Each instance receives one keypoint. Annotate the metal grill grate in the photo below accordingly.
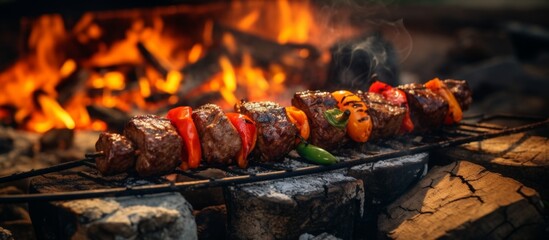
(474, 128)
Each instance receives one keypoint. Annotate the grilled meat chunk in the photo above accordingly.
(314, 104)
(386, 117)
(118, 154)
(158, 143)
(461, 91)
(275, 133)
(427, 109)
(219, 139)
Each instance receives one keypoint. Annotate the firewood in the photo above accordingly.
(464, 201)
(522, 157)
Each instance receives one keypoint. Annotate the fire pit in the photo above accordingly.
(84, 71)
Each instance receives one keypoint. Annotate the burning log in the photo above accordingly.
(115, 118)
(521, 156)
(152, 60)
(266, 51)
(156, 216)
(464, 200)
(72, 84)
(290, 207)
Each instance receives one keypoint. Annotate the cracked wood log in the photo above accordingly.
(154, 216)
(520, 156)
(463, 201)
(287, 208)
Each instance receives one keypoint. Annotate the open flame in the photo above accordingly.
(144, 67)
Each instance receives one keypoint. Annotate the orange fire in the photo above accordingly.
(118, 75)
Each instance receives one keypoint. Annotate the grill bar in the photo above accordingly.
(274, 172)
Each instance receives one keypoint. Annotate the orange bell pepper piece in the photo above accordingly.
(454, 114)
(299, 119)
(360, 124)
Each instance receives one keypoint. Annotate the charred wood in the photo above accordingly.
(152, 60)
(287, 208)
(72, 84)
(56, 139)
(115, 118)
(266, 51)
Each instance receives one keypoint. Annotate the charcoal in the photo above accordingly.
(212, 222)
(287, 208)
(464, 201)
(202, 198)
(386, 180)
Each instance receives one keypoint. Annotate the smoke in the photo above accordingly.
(366, 43)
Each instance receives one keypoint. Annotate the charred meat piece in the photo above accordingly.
(314, 104)
(386, 117)
(275, 133)
(158, 143)
(118, 154)
(427, 109)
(219, 139)
(461, 91)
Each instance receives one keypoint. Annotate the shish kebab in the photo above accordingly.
(316, 123)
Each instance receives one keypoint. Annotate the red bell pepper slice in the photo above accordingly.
(395, 96)
(180, 117)
(454, 114)
(247, 131)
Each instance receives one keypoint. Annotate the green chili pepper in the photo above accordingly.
(337, 118)
(315, 154)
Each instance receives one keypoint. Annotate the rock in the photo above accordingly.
(464, 201)
(211, 222)
(286, 208)
(155, 216)
(5, 234)
(520, 156)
